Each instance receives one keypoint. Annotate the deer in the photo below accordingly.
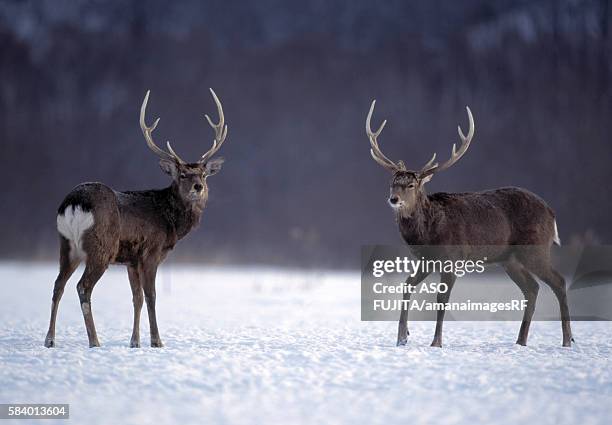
(100, 226)
(509, 226)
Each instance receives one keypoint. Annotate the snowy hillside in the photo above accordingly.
(253, 346)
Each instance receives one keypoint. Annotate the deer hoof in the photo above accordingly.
(522, 343)
(436, 344)
(49, 343)
(157, 344)
(401, 341)
(94, 344)
(134, 344)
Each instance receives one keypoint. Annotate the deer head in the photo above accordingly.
(188, 178)
(407, 185)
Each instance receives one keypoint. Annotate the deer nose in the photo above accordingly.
(393, 200)
(198, 187)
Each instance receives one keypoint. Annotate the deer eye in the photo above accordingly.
(182, 175)
(411, 186)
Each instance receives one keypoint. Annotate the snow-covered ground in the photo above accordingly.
(261, 346)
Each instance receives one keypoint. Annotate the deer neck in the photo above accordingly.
(182, 215)
(414, 225)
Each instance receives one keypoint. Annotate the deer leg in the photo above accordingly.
(557, 283)
(137, 300)
(93, 272)
(67, 268)
(449, 279)
(148, 273)
(529, 287)
(402, 328)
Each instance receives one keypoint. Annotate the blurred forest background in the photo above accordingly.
(296, 80)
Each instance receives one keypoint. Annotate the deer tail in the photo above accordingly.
(556, 238)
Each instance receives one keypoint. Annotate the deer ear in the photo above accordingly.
(168, 167)
(213, 166)
(426, 179)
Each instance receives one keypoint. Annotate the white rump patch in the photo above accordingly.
(71, 225)
(556, 238)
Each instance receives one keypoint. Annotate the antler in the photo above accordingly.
(375, 151)
(220, 130)
(147, 131)
(432, 167)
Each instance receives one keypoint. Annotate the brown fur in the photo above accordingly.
(510, 226)
(136, 229)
